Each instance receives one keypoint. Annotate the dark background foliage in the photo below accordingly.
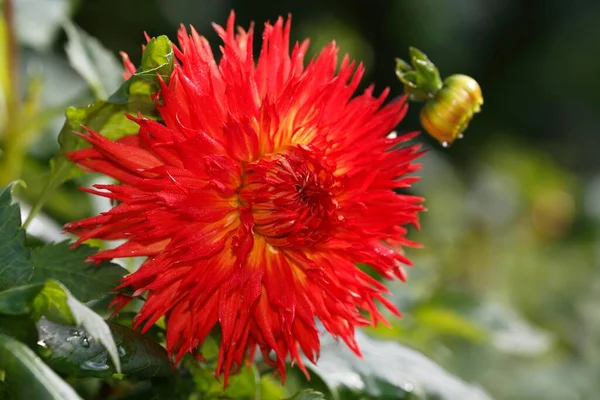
(534, 59)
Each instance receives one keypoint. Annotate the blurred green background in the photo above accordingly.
(506, 292)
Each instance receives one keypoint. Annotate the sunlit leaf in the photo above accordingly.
(511, 333)
(37, 22)
(448, 322)
(27, 376)
(97, 65)
(243, 385)
(95, 326)
(5, 80)
(109, 118)
(157, 59)
(308, 394)
(271, 388)
(388, 371)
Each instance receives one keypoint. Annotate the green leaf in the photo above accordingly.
(108, 118)
(243, 385)
(446, 321)
(6, 82)
(135, 96)
(27, 376)
(51, 302)
(308, 394)
(4, 392)
(271, 388)
(20, 327)
(19, 265)
(94, 325)
(158, 58)
(421, 79)
(97, 65)
(388, 370)
(141, 356)
(85, 281)
(56, 303)
(510, 332)
(19, 300)
(71, 351)
(37, 22)
(177, 387)
(15, 266)
(428, 76)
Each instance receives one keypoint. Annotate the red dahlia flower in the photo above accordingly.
(255, 199)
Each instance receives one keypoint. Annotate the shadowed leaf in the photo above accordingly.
(72, 351)
(84, 280)
(15, 264)
(56, 303)
(27, 377)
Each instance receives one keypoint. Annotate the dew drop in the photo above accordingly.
(43, 349)
(392, 135)
(460, 136)
(445, 144)
(75, 336)
(99, 363)
(85, 342)
(92, 365)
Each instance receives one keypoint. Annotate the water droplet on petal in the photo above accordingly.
(445, 144)
(460, 136)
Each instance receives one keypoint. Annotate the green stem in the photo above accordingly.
(58, 175)
(14, 144)
(12, 57)
(257, 394)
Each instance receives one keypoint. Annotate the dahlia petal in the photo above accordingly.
(130, 69)
(255, 198)
(131, 157)
(135, 249)
(118, 302)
